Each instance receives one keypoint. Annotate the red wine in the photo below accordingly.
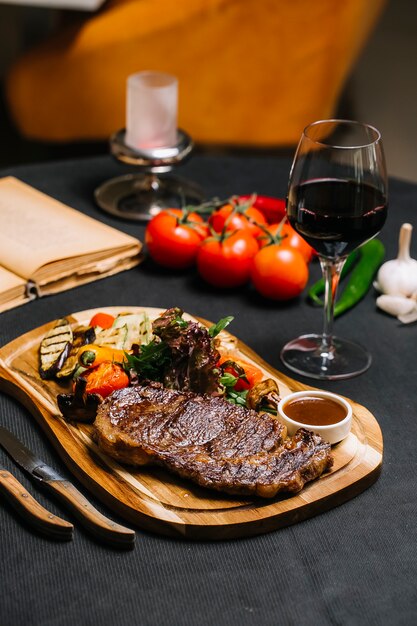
(336, 216)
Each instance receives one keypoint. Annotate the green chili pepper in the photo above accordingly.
(318, 288)
(360, 280)
(370, 256)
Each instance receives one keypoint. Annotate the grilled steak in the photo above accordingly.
(208, 440)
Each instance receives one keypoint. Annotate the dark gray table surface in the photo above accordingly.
(356, 564)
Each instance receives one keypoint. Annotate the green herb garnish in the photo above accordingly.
(214, 330)
(181, 356)
(149, 360)
(236, 397)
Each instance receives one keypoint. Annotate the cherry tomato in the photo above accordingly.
(279, 272)
(173, 238)
(290, 238)
(105, 378)
(239, 217)
(273, 209)
(227, 262)
(252, 373)
(104, 320)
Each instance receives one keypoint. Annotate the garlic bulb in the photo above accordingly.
(396, 305)
(411, 316)
(399, 276)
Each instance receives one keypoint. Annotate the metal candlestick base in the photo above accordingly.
(140, 196)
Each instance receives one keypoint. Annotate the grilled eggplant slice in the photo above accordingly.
(81, 337)
(55, 348)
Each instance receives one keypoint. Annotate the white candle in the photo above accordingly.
(151, 110)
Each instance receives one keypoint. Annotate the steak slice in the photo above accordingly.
(208, 440)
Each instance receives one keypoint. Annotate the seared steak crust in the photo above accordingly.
(208, 440)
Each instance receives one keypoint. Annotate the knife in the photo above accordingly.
(39, 518)
(95, 522)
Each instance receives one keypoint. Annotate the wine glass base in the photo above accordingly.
(305, 356)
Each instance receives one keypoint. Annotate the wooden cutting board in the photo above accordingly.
(157, 501)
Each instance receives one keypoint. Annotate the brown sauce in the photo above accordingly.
(315, 411)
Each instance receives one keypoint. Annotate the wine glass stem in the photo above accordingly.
(331, 269)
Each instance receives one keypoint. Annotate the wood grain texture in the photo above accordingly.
(157, 501)
(32, 512)
(98, 525)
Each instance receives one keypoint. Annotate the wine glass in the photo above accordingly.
(337, 200)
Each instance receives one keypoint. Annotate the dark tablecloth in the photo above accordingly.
(355, 564)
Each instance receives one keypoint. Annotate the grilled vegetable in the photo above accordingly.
(105, 378)
(127, 328)
(112, 337)
(55, 348)
(92, 355)
(79, 406)
(103, 320)
(139, 328)
(246, 375)
(264, 396)
(145, 329)
(81, 337)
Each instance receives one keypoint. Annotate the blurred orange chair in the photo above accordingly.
(251, 72)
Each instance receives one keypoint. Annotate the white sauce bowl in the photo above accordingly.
(333, 433)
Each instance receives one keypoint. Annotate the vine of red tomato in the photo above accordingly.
(173, 237)
(236, 244)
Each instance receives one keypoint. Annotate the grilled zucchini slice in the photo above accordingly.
(139, 328)
(113, 337)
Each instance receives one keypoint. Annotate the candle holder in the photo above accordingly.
(140, 196)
